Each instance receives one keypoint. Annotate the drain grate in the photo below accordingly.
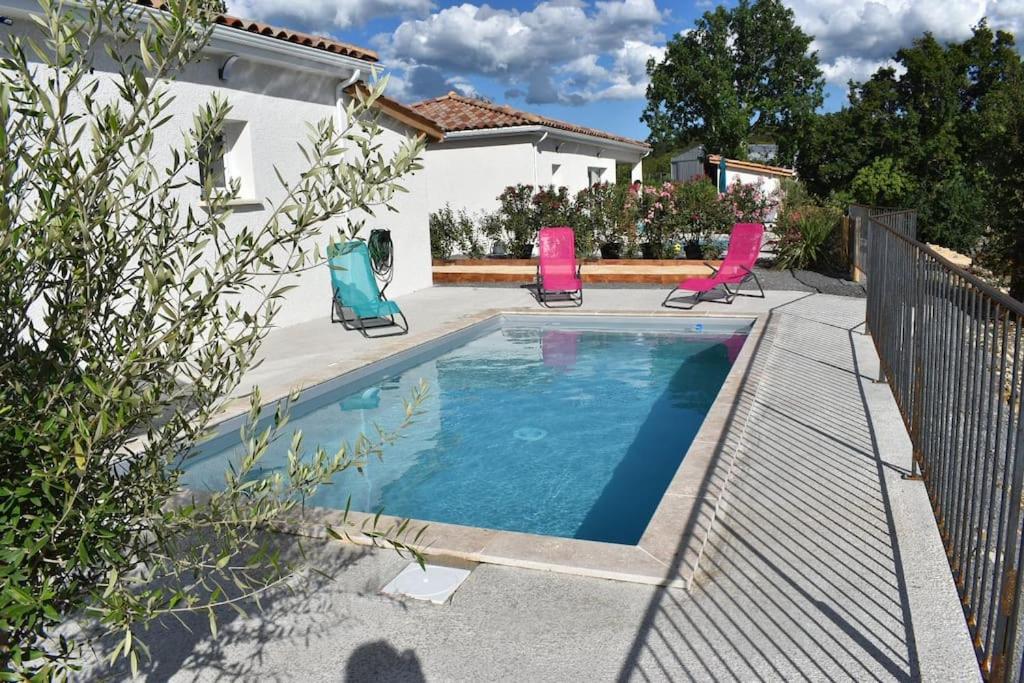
(435, 584)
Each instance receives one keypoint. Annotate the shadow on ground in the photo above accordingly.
(802, 576)
(184, 643)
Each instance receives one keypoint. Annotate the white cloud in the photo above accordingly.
(856, 37)
(322, 17)
(565, 51)
(844, 69)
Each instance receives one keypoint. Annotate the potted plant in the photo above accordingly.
(656, 215)
(750, 203)
(700, 215)
(450, 231)
(553, 207)
(600, 208)
(443, 233)
(513, 227)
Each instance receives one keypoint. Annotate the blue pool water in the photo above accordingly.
(571, 430)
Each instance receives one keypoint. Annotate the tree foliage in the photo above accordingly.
(883, 182)
(939, 133)
(133, 303)
(741, 73)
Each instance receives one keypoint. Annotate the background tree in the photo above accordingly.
(123, 333)
(998, 118)
(740, 73)
(944, 133)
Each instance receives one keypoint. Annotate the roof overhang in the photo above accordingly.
(402, 114)
(752, 167)
(249, 46)
(270, 51)
(638, 149)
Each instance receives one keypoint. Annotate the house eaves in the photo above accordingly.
(556, 133)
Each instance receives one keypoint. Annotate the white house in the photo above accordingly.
(694, 162)
(748, 173)
(277, 81)
(487, 147)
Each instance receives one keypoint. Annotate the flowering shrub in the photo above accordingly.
(514, 227)
(749, 203)
(654, 210)
(524, 211)
(699, 213)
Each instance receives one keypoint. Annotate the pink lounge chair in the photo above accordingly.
(737, 269)
(558, 274)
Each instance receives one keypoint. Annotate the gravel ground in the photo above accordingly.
(809, 281)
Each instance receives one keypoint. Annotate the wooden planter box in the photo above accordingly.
(605, 271)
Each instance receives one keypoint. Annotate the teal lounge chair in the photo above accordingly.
(357, 302)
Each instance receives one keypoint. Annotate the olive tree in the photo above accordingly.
(132, 305)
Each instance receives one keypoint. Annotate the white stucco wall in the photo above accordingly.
(470, 174)
(574, 161)
(276, 103)
(769, 182)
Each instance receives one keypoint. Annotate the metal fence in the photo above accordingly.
(951, 348)
(855, 234)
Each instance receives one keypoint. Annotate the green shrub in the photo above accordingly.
(451, 231)
(514, 226)
(698, 213)
(793, 193)
(600, 211)
(808, 238)
(883, 182)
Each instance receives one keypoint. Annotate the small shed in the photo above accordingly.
(689, 164)
(747, 172)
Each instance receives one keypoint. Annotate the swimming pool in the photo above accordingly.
(566, 426)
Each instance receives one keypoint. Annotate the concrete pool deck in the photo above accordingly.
(823, 563)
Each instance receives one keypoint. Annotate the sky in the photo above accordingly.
(584, 60)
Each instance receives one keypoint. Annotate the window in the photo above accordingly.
(594, 175)
(555, 168)
(228, 159)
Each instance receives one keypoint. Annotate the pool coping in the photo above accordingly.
(672, 545)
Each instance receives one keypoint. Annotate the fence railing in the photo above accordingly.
(952, 349)
(854, 247)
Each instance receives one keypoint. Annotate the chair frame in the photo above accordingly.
(575, 296)
(354, 322)
(730, 294)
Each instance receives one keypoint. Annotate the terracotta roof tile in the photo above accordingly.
(454, 112)
(305, 39)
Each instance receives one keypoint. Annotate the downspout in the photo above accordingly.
(536, 159)
(339, 92)
(646, 154)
